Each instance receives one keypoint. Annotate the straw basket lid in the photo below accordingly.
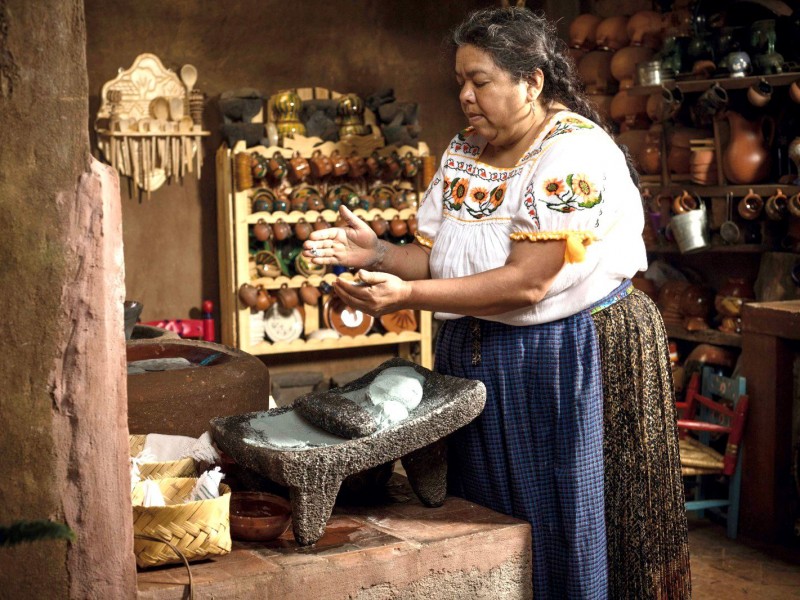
(184, 467)
(198, 529)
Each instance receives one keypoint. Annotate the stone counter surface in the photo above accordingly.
(397, 549)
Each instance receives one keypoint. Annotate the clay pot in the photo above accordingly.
(645, 28)
(793, 152)
(703, 166)
(635, 140)
(746, 158)
(629, 111)
(595, 72)
(412, 225)
(679, 155)
(684, 202)
(341, 166)
(712, 355)
(602, 104)
(646, 286)
(624, 61)
(320, 164)
(664, 105)
(696, 302)
(612, 33)
(263, 300)
(320, 224)
(669, 300)
(583, 31)
(794, 91)
(794, 205)
(730, 297)
(287, 297)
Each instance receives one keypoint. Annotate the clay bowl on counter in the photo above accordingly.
(259, 516)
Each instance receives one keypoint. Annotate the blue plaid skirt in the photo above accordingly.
(536, 451)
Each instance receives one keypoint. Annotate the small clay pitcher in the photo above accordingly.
(374, 164)
(281, 230)
(321, 165)
(248, 295)
(583, 31)
(712, 101)
(391, 167)
(379, 225)
(410, 165)
(309, 294)
(288, 298)
(750, 206)
(776, 205)
(302, 229)
(398, 227)
(794, 205)
(259, 166)
(262, 231)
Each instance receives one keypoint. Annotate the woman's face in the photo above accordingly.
(494, 104)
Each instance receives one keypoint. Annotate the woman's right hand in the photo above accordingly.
(354, 245)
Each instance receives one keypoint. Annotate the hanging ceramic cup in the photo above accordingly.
(281, 230)
(320, 224)
(302, 229)
(262, 231)
(760, 93)
(684, 202)
(287, 297)
(263, 299)
(339, 163)
(248, 295)
(794, 91)
(750, 206)
(794, 205)
(309, 294)
(379, 225)
(398, 227)
(299, 167)
(776, 206)
(358, 166)
(278, 167)
(320, 164)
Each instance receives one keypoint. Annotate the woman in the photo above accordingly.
(527, 237)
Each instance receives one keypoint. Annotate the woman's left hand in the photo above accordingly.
(379, 294)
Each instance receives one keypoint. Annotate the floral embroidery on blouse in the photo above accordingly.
(431, 187)
(461, 145)
(478, 201)
(530, 203)
(575, 192)
(565, 125)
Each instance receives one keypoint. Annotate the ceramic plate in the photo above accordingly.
(345, 320)
(280, 326)
(402, 320)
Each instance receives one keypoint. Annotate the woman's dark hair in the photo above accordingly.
(521, 41)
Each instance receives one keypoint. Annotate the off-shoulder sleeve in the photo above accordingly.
(429, 213)
(566, 195)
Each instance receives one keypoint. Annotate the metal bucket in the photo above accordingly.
(690, 230)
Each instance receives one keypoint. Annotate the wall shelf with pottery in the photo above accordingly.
(149, 124)
(267, 174)
(709, 336)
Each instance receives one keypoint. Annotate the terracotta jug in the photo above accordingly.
(583, 31)
(746, 158)
(624, 61)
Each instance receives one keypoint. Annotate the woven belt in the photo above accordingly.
(623, 290)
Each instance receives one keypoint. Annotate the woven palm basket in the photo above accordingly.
(184, 467)
(198, 529)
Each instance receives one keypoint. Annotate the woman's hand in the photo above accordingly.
(354, 245)
(376, 294)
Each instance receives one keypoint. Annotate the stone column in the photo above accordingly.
(63, 405)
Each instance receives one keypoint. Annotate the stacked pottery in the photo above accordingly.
(703, 162)
(582, 35)
(679, 155)
(728, 303)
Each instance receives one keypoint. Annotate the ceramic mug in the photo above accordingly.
(794, 91)
(340, 165)
(321, 165)
(684, 202)
(281, 230)
(391, 167)
(278, 167)
(309, 294)
(398, 227)
(410, 165)
(299, 167)
(320, 224)
(259, 166)
(374, 164)
(280, 204)
(263, 299)
(776, 205)
(358, 166)
(713, 100)
(287, 297)
(794, 205)
(302, 229)
(750, 206)
(379, 225)
(262, 231)
(248, 295)
(263, 200)
(760, 93)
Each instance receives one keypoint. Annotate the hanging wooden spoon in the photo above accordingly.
(189, 78)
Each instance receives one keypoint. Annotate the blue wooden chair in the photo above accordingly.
(710, 419)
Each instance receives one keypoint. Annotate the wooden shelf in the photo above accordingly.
(152, 134)
(708, 336)
(733, 249)
(329, 215)
(701, 85)
(359, 341)
(762, 189)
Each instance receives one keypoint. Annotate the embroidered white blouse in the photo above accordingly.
(572, 184)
